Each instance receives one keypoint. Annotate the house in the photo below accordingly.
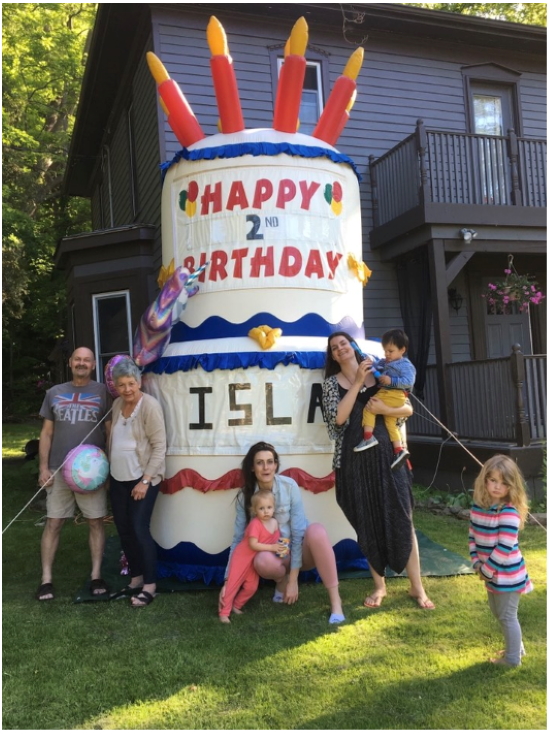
(449, 135)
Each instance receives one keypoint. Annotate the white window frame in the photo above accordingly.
(99, 356)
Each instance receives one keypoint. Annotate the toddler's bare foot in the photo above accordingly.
(224, 619)
(237, 611)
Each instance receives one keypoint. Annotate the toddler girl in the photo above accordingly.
(499, 512)
(261, 534)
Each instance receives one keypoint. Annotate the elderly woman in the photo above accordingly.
(376, 500)
(137, 448)
(309, 543)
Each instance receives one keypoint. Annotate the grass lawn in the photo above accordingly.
(174, 666)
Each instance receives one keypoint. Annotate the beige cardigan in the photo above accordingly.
(150, 434)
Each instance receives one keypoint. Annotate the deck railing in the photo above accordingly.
(441, 167)
(494, 400)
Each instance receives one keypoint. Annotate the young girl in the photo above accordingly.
(498, 514)
(262, 534)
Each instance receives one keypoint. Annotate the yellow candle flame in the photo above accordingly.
(217, 40)
(355, 61)
(299, 37)
(287, 48)
(156, 67)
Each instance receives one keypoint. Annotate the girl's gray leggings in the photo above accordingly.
(505, 608)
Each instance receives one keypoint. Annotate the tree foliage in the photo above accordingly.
(528, 13)
(43, 64)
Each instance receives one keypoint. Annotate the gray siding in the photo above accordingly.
(147, 147)
(120, 173)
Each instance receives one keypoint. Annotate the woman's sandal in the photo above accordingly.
(145, 597)
(374, 600)
(424, 602)
(98, 587)
(126, 591)
(45, 592)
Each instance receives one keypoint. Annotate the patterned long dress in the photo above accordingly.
(377, 502)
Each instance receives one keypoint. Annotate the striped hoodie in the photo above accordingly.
(493, 541)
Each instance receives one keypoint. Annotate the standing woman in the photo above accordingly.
(310, 545)
(137, 449)
(377, 501)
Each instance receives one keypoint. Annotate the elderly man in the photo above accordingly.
(70, 412)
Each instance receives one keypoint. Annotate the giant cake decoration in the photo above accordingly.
(268, 222)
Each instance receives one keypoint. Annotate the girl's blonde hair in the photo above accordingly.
(511, 476)
(257, 497)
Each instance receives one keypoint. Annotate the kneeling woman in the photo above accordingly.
(137, 449)
(309, 543)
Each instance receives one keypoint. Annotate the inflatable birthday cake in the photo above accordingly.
(267, 222)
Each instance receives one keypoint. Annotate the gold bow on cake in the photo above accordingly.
(361, 270)
(265, 335)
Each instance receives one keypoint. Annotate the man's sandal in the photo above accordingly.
(145, 597)
(45, 592)
(98, 587)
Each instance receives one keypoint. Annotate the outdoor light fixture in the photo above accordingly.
(468, 234)
(455, 299)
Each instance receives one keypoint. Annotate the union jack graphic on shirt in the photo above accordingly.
(77, 406)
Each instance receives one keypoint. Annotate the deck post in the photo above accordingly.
(517, 364)
(374, 192)
(513, 152)
(443, 353)
(422, 147)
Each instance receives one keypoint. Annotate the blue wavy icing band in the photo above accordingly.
(236, 150)
(216, 327)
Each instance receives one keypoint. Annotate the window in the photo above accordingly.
(112, 334)
(312, 102)
(491, 95)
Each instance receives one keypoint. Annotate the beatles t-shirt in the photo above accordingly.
(75, 411)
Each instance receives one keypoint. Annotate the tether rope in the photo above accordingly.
(55, 472)
(459, 442)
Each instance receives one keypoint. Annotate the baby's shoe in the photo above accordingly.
(366, 443)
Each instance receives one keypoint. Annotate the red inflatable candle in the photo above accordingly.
(330, 123)
(291, 80)
(180, 115)
(223, 76)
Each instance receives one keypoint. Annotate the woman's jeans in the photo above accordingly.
(132, 519)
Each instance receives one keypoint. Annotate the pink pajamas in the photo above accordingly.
(243, 579)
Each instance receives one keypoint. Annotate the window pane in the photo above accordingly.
(112, 321)
(310, 79)
(488, 115)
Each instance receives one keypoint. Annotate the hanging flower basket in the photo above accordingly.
(514, 288)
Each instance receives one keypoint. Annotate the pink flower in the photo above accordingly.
(492, 287)
(508, 272)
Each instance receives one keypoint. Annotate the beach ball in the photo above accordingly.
(108, 372)
(86, 468)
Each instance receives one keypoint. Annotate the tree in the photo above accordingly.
(528, 13)
(43, 65)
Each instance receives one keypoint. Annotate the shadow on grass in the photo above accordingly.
(467, 699)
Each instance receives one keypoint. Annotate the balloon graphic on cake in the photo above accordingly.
(85, 468)
(273, 218)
